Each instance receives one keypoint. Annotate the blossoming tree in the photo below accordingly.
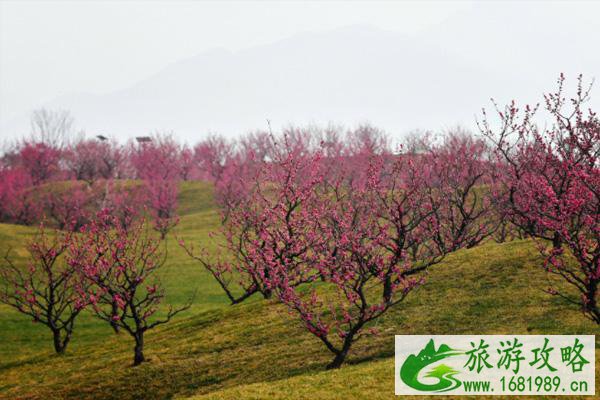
(369, 226)
(267, 221)
(551, 182)
(120, 262)
(48, 289)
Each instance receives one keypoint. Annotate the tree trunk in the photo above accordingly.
(115, 311)
(138, 355)
(337, 361)
(340, 357)
(556, 241)
(59, 345)
(592, 306)
(387, 289)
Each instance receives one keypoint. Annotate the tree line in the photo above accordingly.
(338, 226)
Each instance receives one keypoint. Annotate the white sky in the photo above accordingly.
(51, 48)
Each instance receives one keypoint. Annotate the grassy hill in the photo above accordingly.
(256, 349)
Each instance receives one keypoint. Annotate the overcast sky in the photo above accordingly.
(50, 49)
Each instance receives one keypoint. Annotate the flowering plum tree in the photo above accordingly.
(506, 230)
(48, 289)
(120, 263)
(158, 164)
(232, 168)
(266, 222)
(463, 176)
(157, 158)
(40, 161)
(71, 204)
(362, 144)
(17, 203)
(259, 145)
(162, 200)
(211, 156)
(187, 164)
(90, 160)
(124, 201)
(235, 183)
(369, 225)
(367, 139)
(551, 181)
(335, 247)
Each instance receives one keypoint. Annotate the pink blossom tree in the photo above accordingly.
(187, 164)
(40, 161)
(550, 179)
(235, 183)
(370, 225)
(70, 206)
(334, 149)
(17, 201)
(48, 289)
(158, 158)
(120, 263)
(125, 202)
(232, 169)
(259, 145)
(91, 160)
(463, 174)
(161, 195)
(211, 155)
(158, 163)
(335, 248)
(362, 143)
(367, 139)
(267, 213)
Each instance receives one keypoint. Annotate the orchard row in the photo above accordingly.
(338, 227)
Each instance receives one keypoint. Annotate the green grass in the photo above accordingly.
(257, 350)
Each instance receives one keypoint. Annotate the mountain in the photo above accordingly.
(433, 80)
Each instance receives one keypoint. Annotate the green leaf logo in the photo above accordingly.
(409, 372)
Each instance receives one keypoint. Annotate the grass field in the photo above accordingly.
(257, 350)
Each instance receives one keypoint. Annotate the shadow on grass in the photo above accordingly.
(28, 361)
(260, 342)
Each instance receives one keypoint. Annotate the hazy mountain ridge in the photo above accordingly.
(432, 80)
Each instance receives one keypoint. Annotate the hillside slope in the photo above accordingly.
(257, 350)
